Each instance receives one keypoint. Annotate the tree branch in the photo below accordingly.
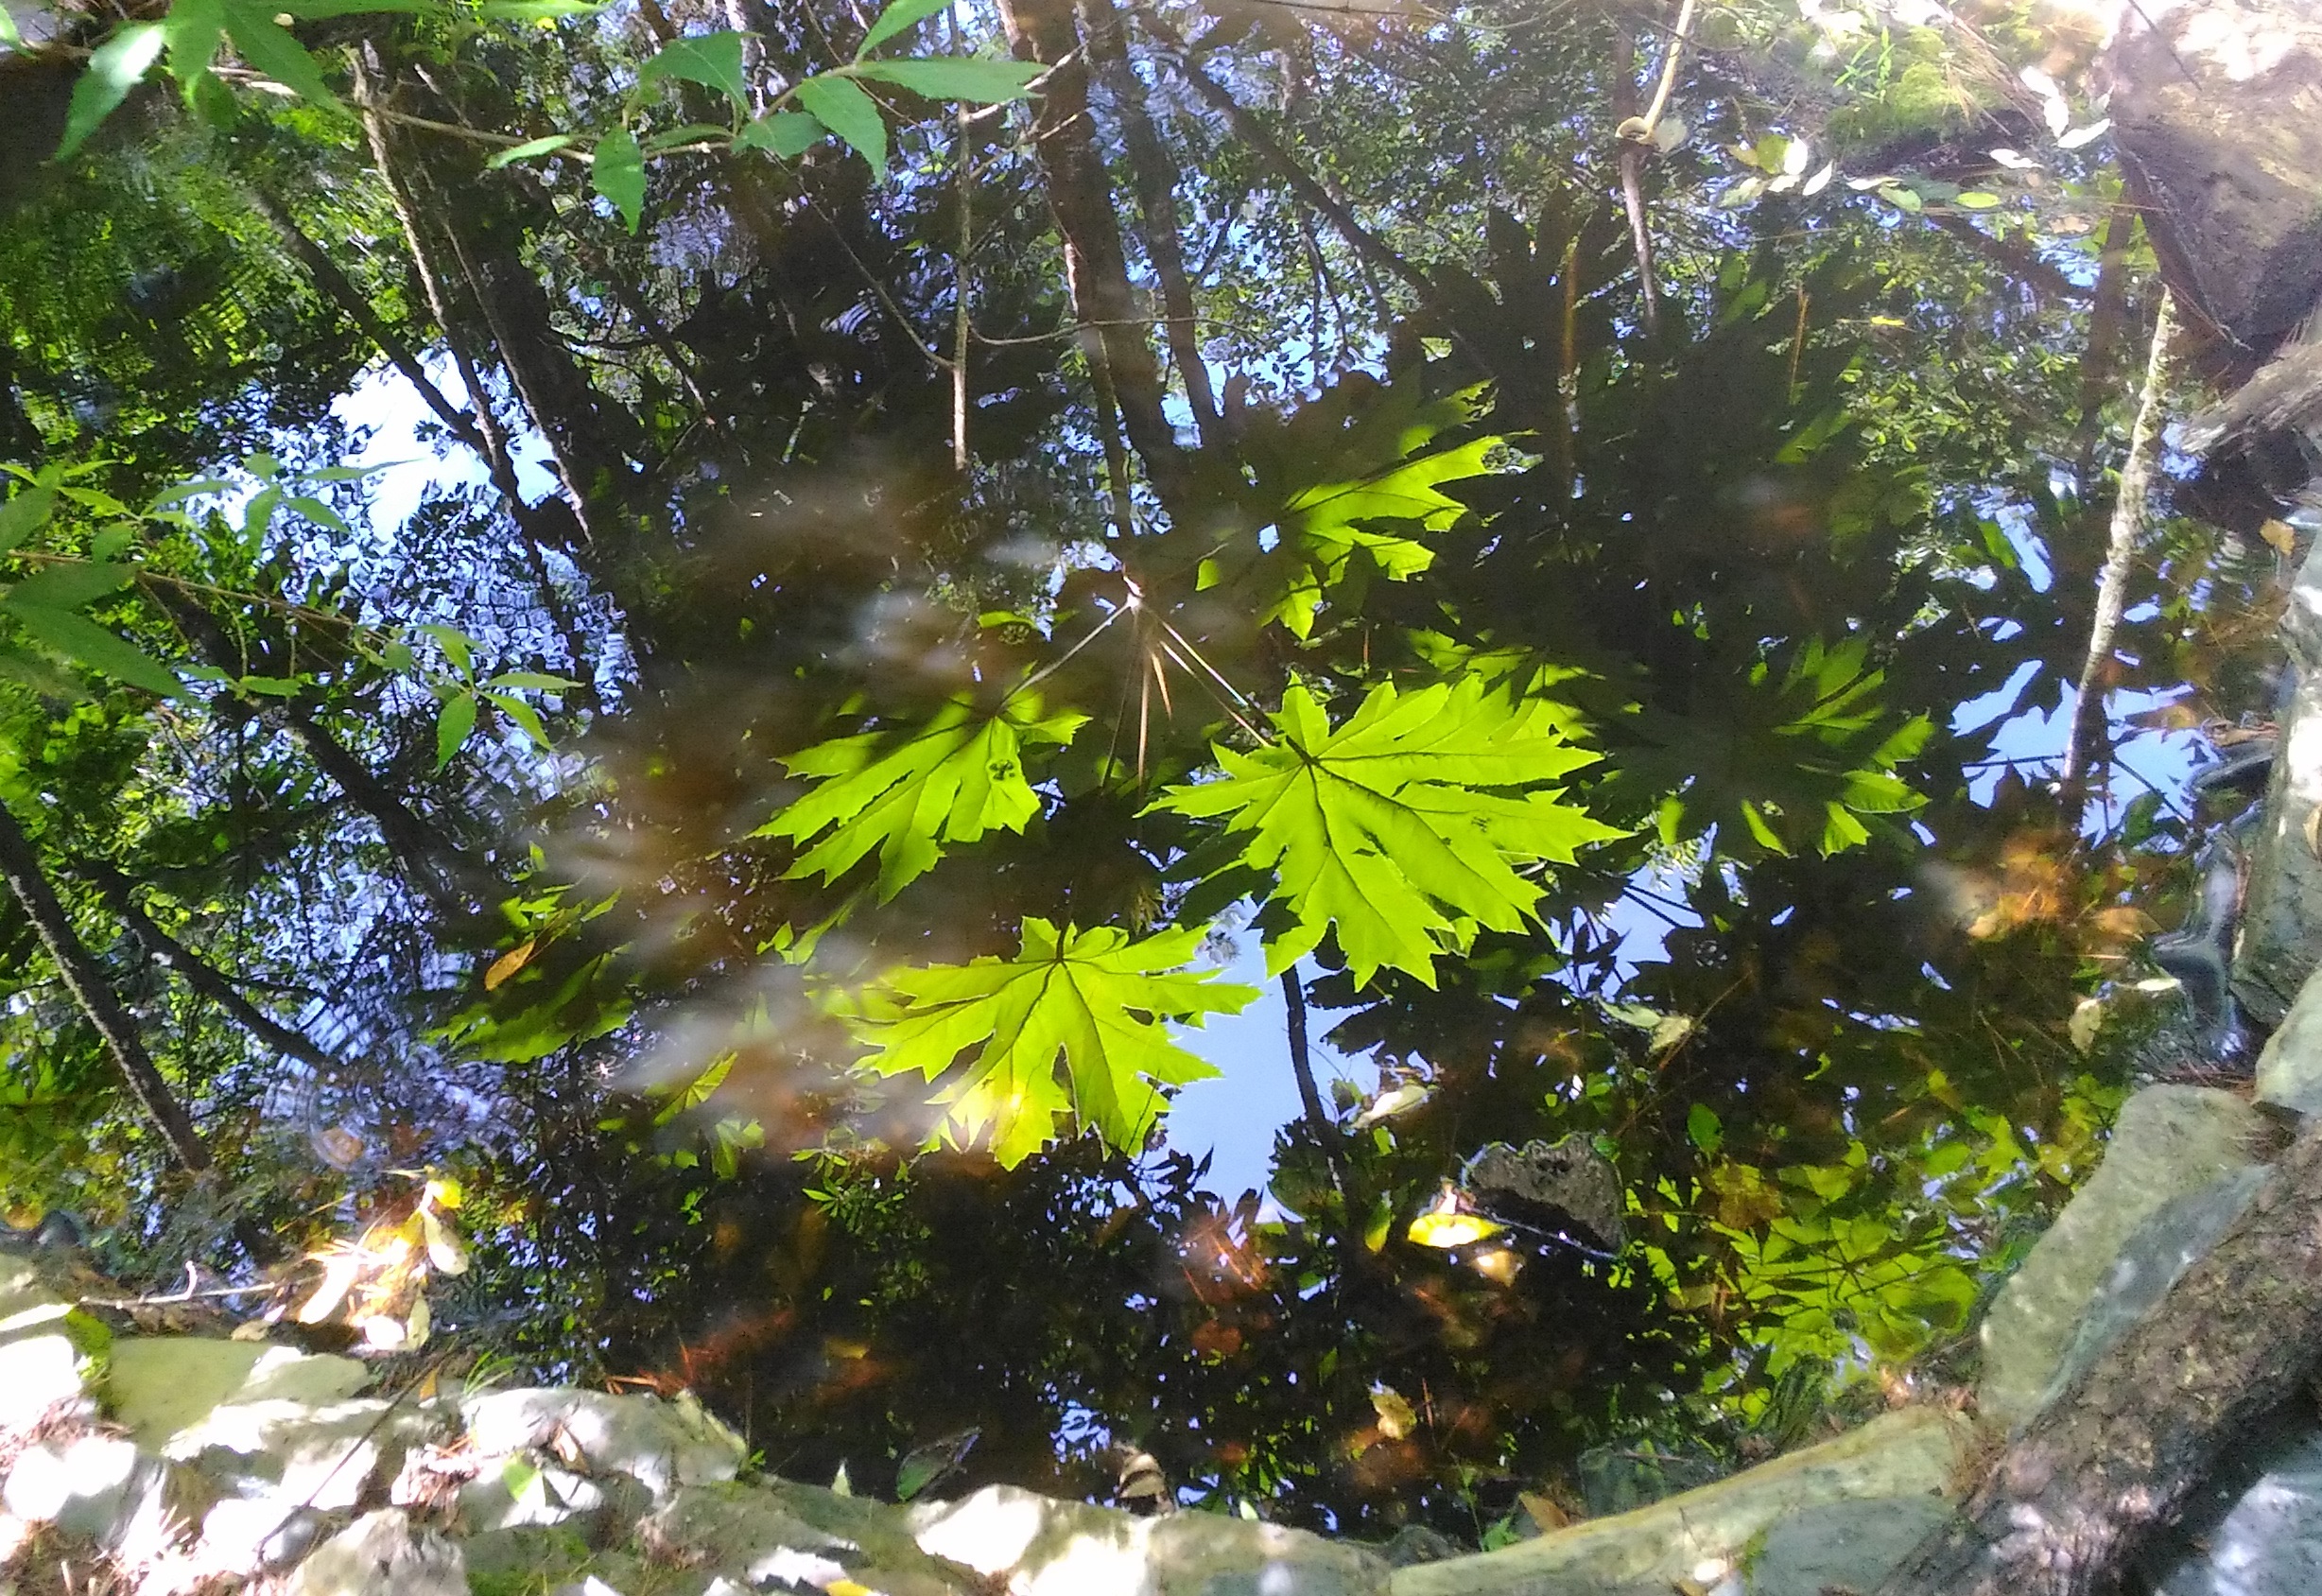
(20, 865)
(198, 972)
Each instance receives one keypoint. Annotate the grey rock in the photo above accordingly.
(40, 1362)
(327, 1454)
(2281, 911)
(550, 1496)
(789, 1536)
(2171, 1240)
(1569, 1176)
(267, 1533)
(2168, 1142)
(2290, 1066)
(1705, 1536)
(382, 1554)
(2255, 1528)
(524, 1560)
(665, 1444)
(98, 1489)
(160, 1385)
(1853, 1544)
(1048, 1548)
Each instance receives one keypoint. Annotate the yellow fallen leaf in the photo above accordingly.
(2314, 832)
(1397, 1419)
(2088, 1019)
(339, 1272)
(1501, 1264)
(509, 964)
(1542, 1511)
(2282, 535)
(445, 1255)
(1448, 1230)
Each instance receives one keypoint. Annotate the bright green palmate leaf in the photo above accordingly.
(949, 781)
(1405, 828)
(1094, 999)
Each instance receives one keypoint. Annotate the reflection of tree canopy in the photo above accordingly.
(836, 690)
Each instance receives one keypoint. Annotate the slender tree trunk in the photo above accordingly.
(198, 972)
(2088, 735)
(2108, 318)
(1632, 177)
(2115, 1457)
(1318, 1117)
(1156, 193)
(1096, 267)
(358, 310)
(1280, 161)
(20, 865)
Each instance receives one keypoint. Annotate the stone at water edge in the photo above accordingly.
(664, 1445)
(2255, 1527)
(39, 1363)
(2281, 911)
(1703, 1536)
(2171, 1240)
(382, 1554)
(1051, 1548)
(2289, 1067)
(2168, 1142)
(160, 1385)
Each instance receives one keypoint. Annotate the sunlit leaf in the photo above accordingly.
(528, 149)
(86, 643)
(114, 68)
(1403, 830)
(193, 29)
(26, 515)
(785, 133)
(895, 19)
(712, 60)
(70, 584)
(958, 78)
(618, 174)
(1093, 1001)
(507, 965)
(453, 723)
(1397, 1418)
(950, 780)
(265, 45)
(1445, 1231)
(841, 106)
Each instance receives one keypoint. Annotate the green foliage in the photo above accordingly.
(1403, 830)
(1096, 1000)
(949, 780)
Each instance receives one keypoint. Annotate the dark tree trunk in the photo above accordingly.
(2114, 1459)
(1081, 193)
(1156, 197)
(20, 865)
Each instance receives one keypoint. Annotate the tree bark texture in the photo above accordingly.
(2081, 752)
(1079, 192)
(1156, 197)
(2115, 1457)
(20, 865)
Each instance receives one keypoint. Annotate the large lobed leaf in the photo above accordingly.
(949, 781)
(1402, 830)
(1094, 999)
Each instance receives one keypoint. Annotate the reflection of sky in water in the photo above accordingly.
(1235, 1115)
